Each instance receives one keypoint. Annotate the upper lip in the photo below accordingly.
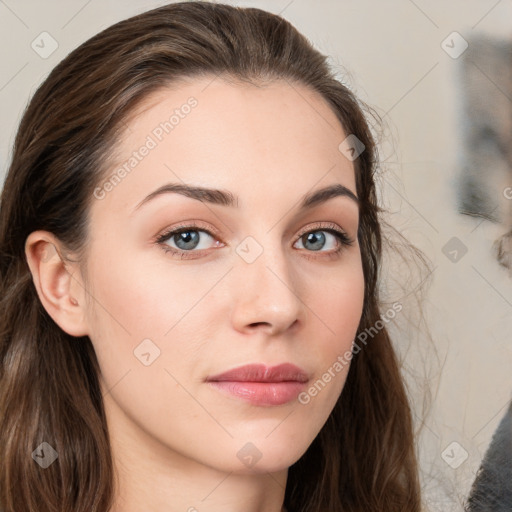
(262, 373)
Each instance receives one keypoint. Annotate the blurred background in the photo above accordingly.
(439, 74)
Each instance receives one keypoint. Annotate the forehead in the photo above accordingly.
(234, 101)
(211, 131)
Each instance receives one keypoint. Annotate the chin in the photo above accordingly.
(267, 455)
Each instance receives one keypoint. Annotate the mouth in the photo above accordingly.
(260, 384)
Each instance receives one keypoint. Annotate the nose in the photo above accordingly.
(265, 294)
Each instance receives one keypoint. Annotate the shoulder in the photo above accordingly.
(492, 488)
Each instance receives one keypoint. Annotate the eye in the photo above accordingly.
(315, 240)
(186, 239)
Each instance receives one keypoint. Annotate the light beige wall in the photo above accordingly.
(392, 51)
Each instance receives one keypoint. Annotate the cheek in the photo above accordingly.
(336, 300)
(335, 304)
(136, 300)
(145, 331)
(140, 299)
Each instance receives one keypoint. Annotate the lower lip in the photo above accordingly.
(261, 393)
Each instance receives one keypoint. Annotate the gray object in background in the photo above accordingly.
(485, 86)
(485, 190)
(492, 488)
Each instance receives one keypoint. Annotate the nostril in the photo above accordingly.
(255, 324)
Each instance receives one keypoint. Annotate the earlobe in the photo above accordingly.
(57, 282)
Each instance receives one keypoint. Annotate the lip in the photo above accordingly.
(261, 384)
(262, 373)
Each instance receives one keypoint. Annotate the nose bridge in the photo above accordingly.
(266, 285)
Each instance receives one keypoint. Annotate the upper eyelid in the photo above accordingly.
(190, 226)
(325, 226)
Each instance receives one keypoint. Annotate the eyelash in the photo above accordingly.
(342, 237)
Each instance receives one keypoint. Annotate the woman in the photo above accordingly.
(190, 249)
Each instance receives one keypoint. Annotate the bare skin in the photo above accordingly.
(176, 440)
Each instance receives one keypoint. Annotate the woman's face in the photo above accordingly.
(255, 277)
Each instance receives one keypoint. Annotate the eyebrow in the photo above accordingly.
(226, 198)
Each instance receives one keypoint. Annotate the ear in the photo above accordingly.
(58, 282)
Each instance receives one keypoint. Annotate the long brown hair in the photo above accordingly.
(364, 457)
